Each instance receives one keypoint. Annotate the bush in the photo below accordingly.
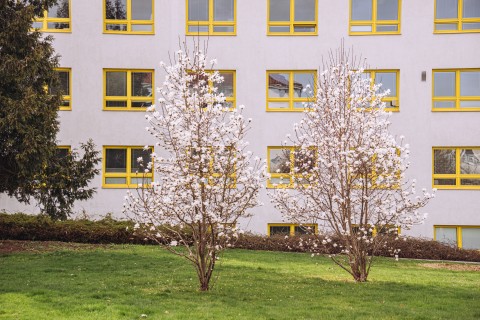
(412, 248)
(21, 226)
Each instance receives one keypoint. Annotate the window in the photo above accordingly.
(291, 229)
(62, 152)
(390, 81)
(215, 166)
(452, 16)
(121, 168)
(56, 19)
(456, 168)
(374, 17)
(227, 87)
(128, 16)
(128, 90)
(292, 17)
(211, 17)
(64, 87)
(466, 237)
(290, 90)
(288, 165)
(456, 90)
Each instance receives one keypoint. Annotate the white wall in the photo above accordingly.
(87, 51)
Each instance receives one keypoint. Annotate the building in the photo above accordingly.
(426, 52)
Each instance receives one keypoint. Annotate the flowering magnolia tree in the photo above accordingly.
(348, 171)
(207, 180)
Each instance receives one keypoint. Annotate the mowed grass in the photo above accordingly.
(126, 282)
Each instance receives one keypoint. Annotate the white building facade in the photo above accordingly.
(426, 52)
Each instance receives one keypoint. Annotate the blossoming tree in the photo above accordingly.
(348, 170)
(205, 179)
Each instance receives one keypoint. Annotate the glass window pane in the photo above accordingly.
(142, 27)
(444, 84)
(59, 10)
(142, 180)
(361, 28)
(141, 104)
(299, 230)
(116, 9)
(278, 105)
(226, 87)
(470, 83)
(116, 27)
(446, 235)
(279, 161)
(304, 28)
(444, 182)
(145, 159)
(470, 161)
(223, 10)
(37, 25)
(446, 9)
(446, 26)
(471, 238)
(303, 84)
(444, 104)
(471, 26)
(58, 25)
(282, 180)
(278, 85)
(116, 104)
(115, 180)
(470, 104)
(388, 81)
(304, 160)
(141, 84)
(198, 10)
(361, 10)
(197, 28)
(302, 105)
(142, 9)
(471, 8)
(444, 161)
(279, 230)
(61, 153)
(470, 182)
(116, 160)
(279, 10)
(279, 29)
(223, 29)
(387, 27)
(116, 83)
(304, 10)
(387, 9)
(63, 86)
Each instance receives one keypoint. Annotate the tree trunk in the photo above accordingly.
(360, 268)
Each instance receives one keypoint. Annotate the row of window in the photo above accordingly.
(452, 167)
(284, 17)
(466, 237)
(287, 90)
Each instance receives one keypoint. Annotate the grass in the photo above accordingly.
(126, 282)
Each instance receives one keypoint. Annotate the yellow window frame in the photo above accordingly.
(129, 21)
(292, 23)
(457, 175)
(459, 229)
(291, 96)
(457, 98)
(211, 172)
(66, 97)
(285, 176)
(374, 22)
(390, 100)
(128, 175)
(128, 98)
(458, 21)
(292, 227)
(45, 20)
(211, 23)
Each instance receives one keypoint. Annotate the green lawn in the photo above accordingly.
(125, 282)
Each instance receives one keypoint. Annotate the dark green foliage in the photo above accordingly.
(28, 117)
(28, 124)
(65, 180)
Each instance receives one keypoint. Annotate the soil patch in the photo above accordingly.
(13, 246)
(453, 267)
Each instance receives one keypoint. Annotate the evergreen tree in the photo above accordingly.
(28, 112)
